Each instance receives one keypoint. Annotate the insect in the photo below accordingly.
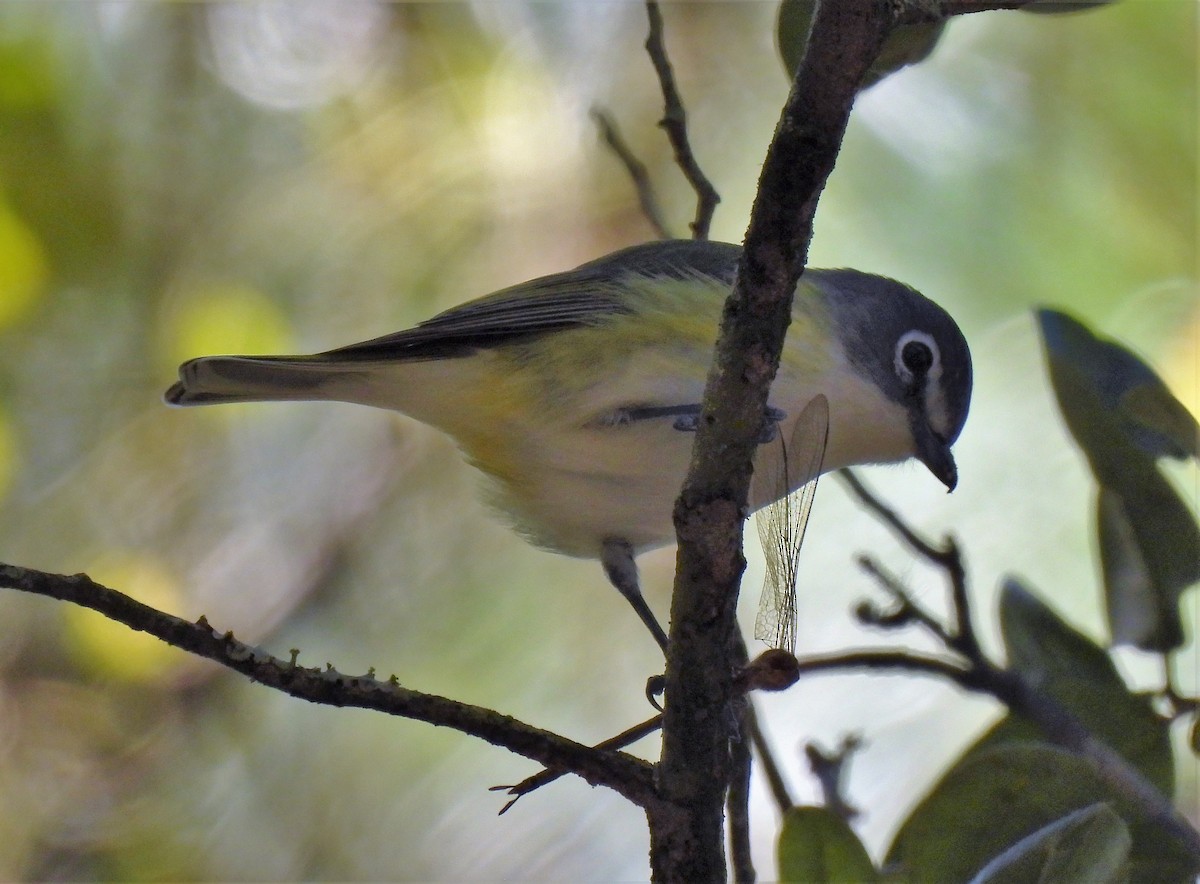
(781, 525)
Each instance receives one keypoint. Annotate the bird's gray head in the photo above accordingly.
(912, 350)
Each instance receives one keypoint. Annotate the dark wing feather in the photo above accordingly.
(563, 300)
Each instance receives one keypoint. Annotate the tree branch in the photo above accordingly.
(686, 839)
(629, 776)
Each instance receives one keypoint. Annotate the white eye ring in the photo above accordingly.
(918, 337)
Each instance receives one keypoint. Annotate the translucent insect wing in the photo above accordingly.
(781, 525)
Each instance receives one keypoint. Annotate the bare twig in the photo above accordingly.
(647, 199)
(770, 769)
(830, 769)
(629, 776)
(909, 611)
(978, 673)
(948, 557)
(546, 777)
(674, 123)
(892, 519)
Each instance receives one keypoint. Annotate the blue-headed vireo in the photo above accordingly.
(573, 392)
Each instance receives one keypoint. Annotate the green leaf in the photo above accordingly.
(987, 802)
(1112, 398)
(905, 45)
(1149, 554)
(1079, 675)
(1126, 722)
(816, 845)
(1154, 408)
(1123, 417)
(791, 32)
(1053, 7)
(1090, 844)
(1043, 647)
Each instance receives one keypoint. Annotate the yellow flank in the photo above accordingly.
(543, 416)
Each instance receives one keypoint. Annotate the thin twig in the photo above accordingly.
(629, 776)
(892, 519)
(674, 123)
(737, 798)
(830, 770)
(903, 661)
(1012, 688)
(737, 802)
(647, 198)
(910, 611)
(770, 769)
(948, 557)
(549, 775)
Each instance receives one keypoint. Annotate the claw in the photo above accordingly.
(656, 686)
(772, 418)
(687, 423)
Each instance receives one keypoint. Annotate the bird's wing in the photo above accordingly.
(563, 300)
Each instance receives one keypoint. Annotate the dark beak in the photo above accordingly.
(934, 452)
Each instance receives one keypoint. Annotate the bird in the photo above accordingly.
(577, 394)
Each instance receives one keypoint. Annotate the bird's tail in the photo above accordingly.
(218, 379)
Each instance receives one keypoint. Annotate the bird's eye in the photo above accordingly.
(916, 356)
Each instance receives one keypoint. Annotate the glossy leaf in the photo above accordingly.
(1043, 647)
(988, 802)
(1149, 540)
(1079, 675)
(1124, 721)
(816, 845)
(1149, 553)
(907, 44)
(1090, 844)
(1115, 393)
(1050, 7)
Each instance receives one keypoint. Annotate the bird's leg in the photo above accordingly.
(688, 421)
(617, 558)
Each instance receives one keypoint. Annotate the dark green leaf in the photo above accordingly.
(1122, 416)
(1090, 844)
(1043, 647)
(1154, 409)
(1124, 721)
(816, 845)
(987, 802)
(1110, 397)
(1149, 553)
(907, 44)
(791, 32)
(1052, 7)
(1079, 675)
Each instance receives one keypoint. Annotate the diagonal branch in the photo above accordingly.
(647, 199)
(626, 775)
(686, 840)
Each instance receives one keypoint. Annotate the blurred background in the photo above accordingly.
(179, 179)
